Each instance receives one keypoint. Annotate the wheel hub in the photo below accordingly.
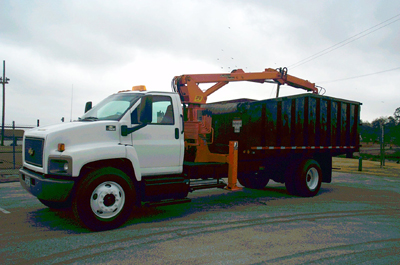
(312, 178)
(107, 199)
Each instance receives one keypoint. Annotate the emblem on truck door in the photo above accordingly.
(111, 128)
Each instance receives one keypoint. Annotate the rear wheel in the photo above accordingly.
(304, 178)
(253, 180)
(104, 199)
(308, 178)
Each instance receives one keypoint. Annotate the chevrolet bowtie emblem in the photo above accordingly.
(31, 152)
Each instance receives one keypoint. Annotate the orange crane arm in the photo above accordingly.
(187, 85)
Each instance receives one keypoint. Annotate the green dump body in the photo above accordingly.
(305, 120)
(286, 127)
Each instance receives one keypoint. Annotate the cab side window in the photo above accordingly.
(162, 112)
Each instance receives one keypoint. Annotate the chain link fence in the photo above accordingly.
(11, 149)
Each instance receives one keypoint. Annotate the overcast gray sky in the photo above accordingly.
(63, 52)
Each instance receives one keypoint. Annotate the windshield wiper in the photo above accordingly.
(89, 119)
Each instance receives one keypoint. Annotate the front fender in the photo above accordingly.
(95, 152)
(132, 156)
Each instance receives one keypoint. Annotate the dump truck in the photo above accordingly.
(145, 148)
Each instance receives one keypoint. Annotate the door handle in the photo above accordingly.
(183, 124)
(176, 133)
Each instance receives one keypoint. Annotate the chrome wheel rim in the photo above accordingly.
(312, 178)
(107, 199)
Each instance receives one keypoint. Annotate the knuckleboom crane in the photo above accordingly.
(198, 124)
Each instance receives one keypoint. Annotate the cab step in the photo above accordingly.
(167, 202)
(207, 184)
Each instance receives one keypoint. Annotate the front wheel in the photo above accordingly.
(105, 199)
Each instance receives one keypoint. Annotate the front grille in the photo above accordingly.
(34, 151)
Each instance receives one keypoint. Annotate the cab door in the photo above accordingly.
(160, 143)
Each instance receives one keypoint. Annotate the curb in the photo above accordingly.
(9, 178)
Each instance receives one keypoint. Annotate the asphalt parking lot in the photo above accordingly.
(353, 220)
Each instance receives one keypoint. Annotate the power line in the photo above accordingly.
(346, 41)
(359, 76)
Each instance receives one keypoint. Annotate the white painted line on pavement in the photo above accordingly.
(4, 211)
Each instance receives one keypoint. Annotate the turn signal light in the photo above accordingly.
(61, 147)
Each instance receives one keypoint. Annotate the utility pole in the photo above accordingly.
(382, 144)
(4, 80)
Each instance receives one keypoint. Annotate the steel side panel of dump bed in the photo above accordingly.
(295, 123)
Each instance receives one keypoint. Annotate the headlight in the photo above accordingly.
(60, 166)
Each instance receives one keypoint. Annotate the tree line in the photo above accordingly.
(372, 131)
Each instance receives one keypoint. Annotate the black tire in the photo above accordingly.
(290, 179)
(104, 199)
(56, 205)
(253, 181)
(308, 178)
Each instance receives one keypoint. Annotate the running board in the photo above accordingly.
(167, 202)
(206, 184)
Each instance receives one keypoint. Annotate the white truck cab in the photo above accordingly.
(101, 157)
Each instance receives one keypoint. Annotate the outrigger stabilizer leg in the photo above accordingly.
(233, 166)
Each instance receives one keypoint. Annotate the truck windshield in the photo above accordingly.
(111, 108)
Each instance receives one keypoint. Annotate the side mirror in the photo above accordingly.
(88, 106)
(146, 111)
